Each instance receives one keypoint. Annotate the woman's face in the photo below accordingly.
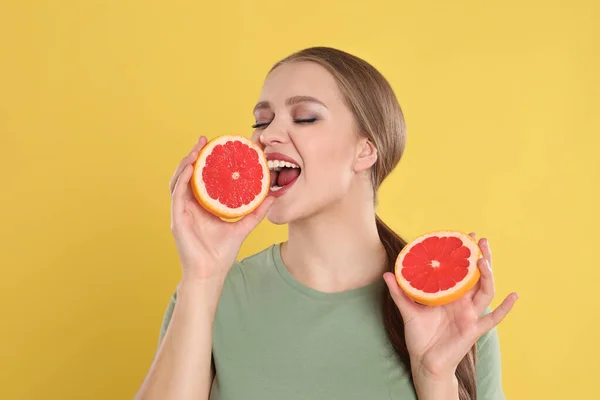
(310, 138)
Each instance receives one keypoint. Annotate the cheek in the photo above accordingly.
(330, 166)
(327, 153)
(339, 153)
(327, 144)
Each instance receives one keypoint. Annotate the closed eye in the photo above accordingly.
(259, 125)
(305, 121)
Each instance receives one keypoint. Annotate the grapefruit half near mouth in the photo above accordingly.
(231, 177)
(439, 267)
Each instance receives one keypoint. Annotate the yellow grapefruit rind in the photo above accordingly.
(208, 203)
(454, 293)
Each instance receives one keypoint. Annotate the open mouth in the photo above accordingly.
(283, 172)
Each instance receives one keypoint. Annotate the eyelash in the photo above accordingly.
(298, 121)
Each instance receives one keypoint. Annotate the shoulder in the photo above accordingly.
(249, 269)
(253, 266)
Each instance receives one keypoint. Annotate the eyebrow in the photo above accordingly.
(289, 102)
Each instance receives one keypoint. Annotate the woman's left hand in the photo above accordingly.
(439, 337)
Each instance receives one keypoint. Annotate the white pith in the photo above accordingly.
(278, 165)
(473, 258)
(201, 163)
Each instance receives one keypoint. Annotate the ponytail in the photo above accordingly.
(392, 320)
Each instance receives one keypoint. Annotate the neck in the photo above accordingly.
(337, 250)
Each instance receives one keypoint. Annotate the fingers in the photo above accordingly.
(181, 185)
(492, 319)
(484, 296)
(485, 292)
(189, 159)
(251, 221)
(408, 308)
(484, 245)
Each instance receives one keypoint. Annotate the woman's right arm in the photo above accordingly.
(182, 365)
(207, 248)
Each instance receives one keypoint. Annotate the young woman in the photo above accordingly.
(321, 315)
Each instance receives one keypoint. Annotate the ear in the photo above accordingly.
(366, 155)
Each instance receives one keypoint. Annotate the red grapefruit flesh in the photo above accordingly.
(231, 177)
(439, 267)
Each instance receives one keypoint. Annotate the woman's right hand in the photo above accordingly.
(207, 246)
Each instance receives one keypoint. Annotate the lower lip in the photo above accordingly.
(283, 190)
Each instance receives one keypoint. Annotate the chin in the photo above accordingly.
(284, 212)
(278, 215)
(281, 213)
(287, 210)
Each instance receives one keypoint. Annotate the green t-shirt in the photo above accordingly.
(275, 338)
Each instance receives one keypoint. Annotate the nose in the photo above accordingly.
(272, 135)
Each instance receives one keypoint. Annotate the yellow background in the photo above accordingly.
(99, 100)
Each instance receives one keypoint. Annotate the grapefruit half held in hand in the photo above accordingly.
(231, 177)
(438, 267)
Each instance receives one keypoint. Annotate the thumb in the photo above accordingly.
(407, 307)
(251, 221)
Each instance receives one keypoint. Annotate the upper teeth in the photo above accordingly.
(277, 164)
